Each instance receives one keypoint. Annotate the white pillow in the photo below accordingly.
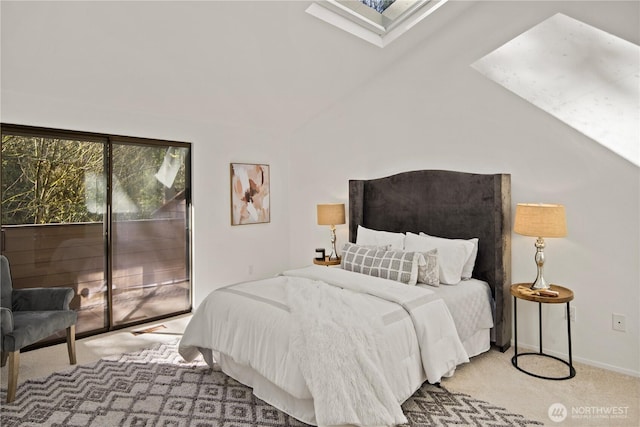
(428, 272)
(467, 270)
(452, 254)
(369, 237)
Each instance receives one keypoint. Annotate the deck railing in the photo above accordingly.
(150, 271)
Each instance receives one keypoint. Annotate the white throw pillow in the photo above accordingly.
(467, 270)
(452, 254)
(369, 237)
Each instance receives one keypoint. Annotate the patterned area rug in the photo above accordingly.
(155, 387)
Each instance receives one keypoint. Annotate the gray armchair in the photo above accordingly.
(28, 316)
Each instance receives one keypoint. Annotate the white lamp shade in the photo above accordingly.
(540, 220)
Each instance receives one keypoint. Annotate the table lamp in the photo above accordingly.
(331, 214)
(540, 220)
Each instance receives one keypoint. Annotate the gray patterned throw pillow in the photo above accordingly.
(393, 265)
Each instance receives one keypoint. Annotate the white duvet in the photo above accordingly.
(292, 332)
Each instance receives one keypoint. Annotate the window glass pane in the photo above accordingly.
(53, 204)
(150, 232)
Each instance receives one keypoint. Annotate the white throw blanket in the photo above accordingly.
(338, 356)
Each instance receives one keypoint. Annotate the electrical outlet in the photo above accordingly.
(250, 269)
(619, 322)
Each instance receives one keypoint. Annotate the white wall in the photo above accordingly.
(265, 82)
(160, 70)
(430, 110)
(223, 253)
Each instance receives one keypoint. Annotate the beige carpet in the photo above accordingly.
(595, 397)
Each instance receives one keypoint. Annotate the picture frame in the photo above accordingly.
(250, 193)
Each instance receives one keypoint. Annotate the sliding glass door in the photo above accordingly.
(149, 240)
(105, 215)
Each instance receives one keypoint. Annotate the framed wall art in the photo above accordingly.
(250, 194)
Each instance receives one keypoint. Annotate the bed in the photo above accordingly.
(331, 346)
(447, 204)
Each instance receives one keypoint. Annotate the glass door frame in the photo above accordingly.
(122, 140)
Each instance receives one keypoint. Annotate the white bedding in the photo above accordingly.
(471, 306)
(247, 329)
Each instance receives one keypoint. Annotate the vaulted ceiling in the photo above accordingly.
(266, 64)
(263, 64)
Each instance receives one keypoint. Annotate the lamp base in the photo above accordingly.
(540, 283)
(334, 253)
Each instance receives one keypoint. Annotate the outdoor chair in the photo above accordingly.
(28, 316)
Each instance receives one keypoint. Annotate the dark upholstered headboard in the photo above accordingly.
(446, 204)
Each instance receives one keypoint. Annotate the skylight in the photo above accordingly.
(583, 76)
(378, 5)
(376, 21)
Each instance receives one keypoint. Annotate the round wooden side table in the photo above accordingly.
(565, 295)
(327, 262)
